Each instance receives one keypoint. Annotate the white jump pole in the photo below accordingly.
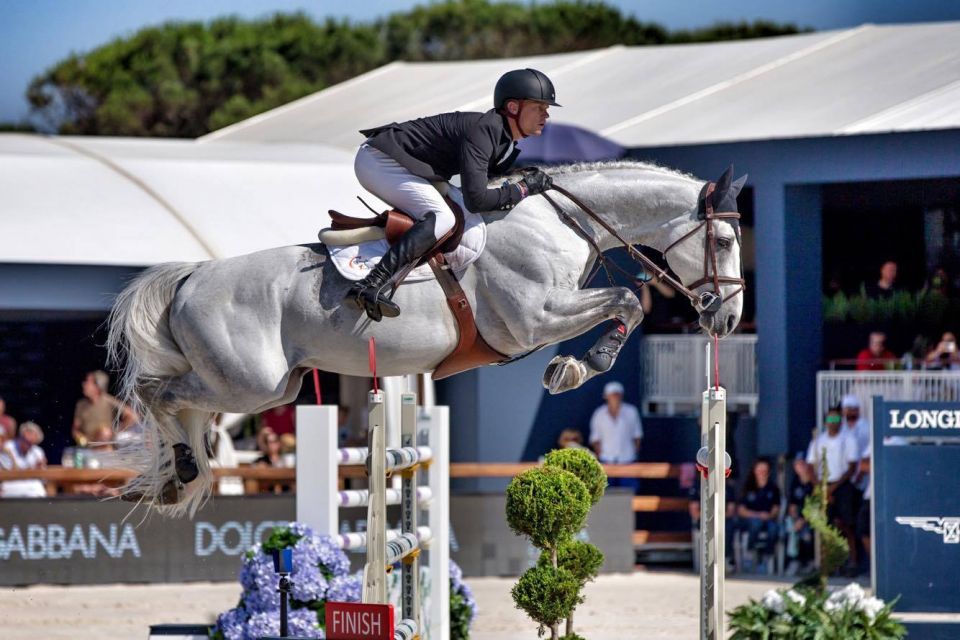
(712, 456)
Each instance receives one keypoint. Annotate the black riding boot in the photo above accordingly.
(370, 294)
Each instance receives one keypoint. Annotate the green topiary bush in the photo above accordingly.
(547, 594)
(547, 505)
(582, 464)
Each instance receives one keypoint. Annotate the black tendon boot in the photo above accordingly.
(603, 354)
(370, 294)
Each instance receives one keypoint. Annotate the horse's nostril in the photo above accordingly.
(730, 321)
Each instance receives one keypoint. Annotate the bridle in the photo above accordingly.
(705, 302)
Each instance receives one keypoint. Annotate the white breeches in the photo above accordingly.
(387, 179)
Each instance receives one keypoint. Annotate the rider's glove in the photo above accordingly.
(536, 181)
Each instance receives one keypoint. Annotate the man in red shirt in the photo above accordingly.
(876, 357)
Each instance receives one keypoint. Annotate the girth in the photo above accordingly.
(472, 350)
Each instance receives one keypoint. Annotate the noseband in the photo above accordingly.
(706, 302)
(710, 301)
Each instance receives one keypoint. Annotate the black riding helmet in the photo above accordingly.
(524, 84)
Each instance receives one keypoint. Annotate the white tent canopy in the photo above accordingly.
(871, 79)
(131, 201)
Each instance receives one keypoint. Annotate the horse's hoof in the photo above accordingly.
(564, 373)
(185, 463)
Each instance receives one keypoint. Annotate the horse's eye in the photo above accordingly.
(724, 243)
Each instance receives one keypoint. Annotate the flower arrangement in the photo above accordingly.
(808, 614)
(321, 572)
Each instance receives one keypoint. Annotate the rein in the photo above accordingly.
(706, 301)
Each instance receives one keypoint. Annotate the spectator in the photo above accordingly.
(280, 419)
(939, 283)
(842, 458)
(885, 287)
(24, 453)
(944, 355)
(269, 444)
(8, 426)
(758, 510)
(616, 432)
(98, 408)
(799, 536)
(876, 356)
(856, 426)
(570, 439)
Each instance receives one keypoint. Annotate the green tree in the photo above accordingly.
(184, 79)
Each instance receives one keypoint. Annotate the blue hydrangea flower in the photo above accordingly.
(346, 588)
(303, 623)
(231, 623)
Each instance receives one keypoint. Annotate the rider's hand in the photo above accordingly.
(536, 181)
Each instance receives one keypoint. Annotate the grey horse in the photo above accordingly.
(238, 334)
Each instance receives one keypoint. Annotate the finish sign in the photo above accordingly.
(358, 621)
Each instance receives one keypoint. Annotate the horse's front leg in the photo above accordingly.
(571, 313)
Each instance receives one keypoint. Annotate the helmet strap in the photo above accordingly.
(516, 118)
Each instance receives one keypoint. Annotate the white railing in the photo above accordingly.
(920, 386)
(674, 378)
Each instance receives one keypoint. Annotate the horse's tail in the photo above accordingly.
(139, 342)
(141, 346)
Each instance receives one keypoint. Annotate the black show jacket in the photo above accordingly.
(442, 146)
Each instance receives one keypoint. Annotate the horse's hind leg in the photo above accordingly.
(571, 313)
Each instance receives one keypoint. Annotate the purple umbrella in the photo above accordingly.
(562, 143)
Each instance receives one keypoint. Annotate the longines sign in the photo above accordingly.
(924, 419)
(71, 541)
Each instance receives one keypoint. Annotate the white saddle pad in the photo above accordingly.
(355, 261)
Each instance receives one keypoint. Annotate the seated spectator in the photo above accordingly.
(269, 444)
(944, 356)
(281, 420)
(939, 283)
(758, 510)
(839, 450)
(97, 455)
(24, 453)
(885, 287)
(8, 426)
(571, 439)
(876, 357)
(799, 536)
(97, 409)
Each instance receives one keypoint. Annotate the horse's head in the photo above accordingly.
(704, 251)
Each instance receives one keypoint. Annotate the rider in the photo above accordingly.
(400, 162)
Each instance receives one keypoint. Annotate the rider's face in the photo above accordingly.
(533, 116)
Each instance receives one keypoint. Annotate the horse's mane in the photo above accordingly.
(594, 167)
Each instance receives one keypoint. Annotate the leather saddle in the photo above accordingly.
(472, 350)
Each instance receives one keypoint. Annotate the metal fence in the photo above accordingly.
(920, 386)
(674, 372)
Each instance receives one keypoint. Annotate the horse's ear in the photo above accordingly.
(737, 185)
(723, 182)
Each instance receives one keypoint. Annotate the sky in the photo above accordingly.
(36, 34)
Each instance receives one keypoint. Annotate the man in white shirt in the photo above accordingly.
(616, 432)
(838, 446)
(857, 426)
(24, 453)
